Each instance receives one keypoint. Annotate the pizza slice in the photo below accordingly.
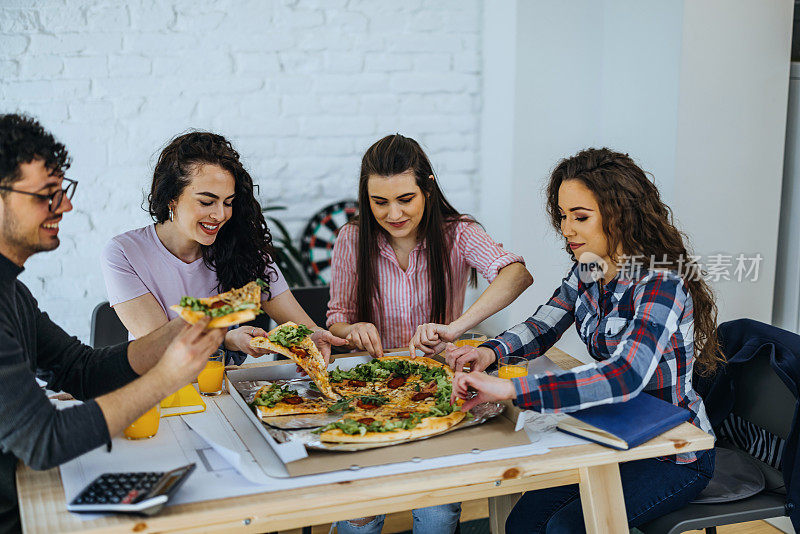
(275, 400)
(233, 307)
(371, 428)
(294, 342)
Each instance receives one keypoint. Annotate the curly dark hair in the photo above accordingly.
(23, 139)
(635, 218)
(243, 249)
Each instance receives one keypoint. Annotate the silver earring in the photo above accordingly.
(171, 215)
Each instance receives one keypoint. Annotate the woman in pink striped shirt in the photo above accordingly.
(400, 272)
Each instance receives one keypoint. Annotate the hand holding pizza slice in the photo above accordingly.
(226, 309)
(294, 342)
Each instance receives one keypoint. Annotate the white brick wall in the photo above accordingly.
(301, 87)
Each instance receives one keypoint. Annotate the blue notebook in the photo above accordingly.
(623, 425)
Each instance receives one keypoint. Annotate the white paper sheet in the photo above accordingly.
(174, 445)
(216, 430)
(226, 467)
(227, 474)
(533, 421)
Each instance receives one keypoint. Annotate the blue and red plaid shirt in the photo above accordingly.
(640, 330)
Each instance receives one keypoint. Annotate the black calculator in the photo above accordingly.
(138, 493)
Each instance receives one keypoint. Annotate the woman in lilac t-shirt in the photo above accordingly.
(209, 236)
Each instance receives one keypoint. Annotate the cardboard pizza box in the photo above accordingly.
(496, 433)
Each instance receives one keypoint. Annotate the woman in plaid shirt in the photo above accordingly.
(645, 315)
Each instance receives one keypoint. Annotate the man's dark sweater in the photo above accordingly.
(31, 429)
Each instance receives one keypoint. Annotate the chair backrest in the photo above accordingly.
(762, 398)
(314, 300)
(107, 329)
(762, 403)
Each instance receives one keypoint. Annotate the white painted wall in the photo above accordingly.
(734, 82)
(694, 91)
(301, 88)
(639, 86)
(786, 305)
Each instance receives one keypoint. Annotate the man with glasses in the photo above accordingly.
(118, 384)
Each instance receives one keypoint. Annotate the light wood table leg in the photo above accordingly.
(602, 500)
(499, 509)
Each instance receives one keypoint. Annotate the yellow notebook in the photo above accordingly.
(185, 400)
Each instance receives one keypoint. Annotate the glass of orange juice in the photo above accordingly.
(473, 339)
(209, 381)
(512, 367)
(146, 426)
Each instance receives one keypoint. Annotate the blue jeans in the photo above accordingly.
(651, 488)
(441, 519)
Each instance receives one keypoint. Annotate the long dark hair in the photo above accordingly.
(243, 249)
(636, 220)
(396, 154)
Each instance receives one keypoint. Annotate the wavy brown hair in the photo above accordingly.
(243, 249)
(638, 222)
(396, 154)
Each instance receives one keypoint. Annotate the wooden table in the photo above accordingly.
(595, 468)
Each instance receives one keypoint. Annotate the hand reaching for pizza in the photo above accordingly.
(188, 353)
(364, 336)
(478, 358)
(296, 342)
(431, 338)
(239, 339)
(489, 388)
(323, 340)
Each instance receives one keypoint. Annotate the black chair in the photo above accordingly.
(764, 400)
(107, 329)
(314, 300)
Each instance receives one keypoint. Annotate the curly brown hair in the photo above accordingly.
(243, 251)
(638, 222)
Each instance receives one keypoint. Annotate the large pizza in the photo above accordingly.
(395, 398)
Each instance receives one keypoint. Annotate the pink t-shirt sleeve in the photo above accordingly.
(122, 281)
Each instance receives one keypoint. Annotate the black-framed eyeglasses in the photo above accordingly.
(55, 198)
